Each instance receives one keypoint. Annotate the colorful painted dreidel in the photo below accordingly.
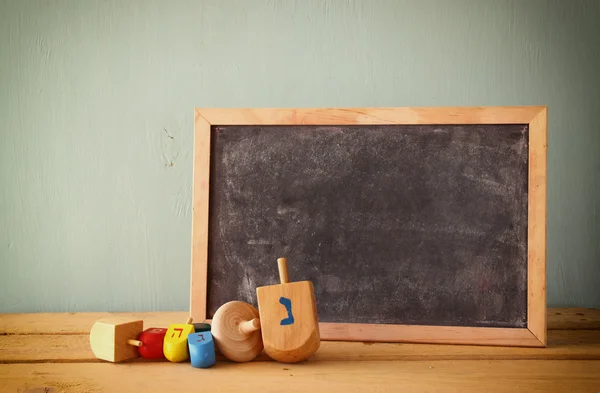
(175, 344)
(152, 340)
(201, 327)
(288, 318)
(236, 331)
(202, 349)
(115, 339)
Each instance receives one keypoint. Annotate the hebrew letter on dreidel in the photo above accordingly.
(287, 303)
(202, 349)
(288, 317)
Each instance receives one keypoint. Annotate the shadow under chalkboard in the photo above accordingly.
(393, 224)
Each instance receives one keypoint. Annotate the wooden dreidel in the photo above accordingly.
(288, 318)
(202, 349)
(201, 327)
(236, 331)
(115, 339)
(152, 340)
(175, 345)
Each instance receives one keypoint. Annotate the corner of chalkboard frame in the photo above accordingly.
(536, 117)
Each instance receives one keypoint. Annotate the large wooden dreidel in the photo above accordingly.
(288, 318)
(115, 339)
(236, 331)
(175, 345)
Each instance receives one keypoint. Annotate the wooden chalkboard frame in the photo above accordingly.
(535, 116)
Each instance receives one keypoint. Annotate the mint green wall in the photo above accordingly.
(96, 117)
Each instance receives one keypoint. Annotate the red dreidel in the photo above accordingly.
(152, 343)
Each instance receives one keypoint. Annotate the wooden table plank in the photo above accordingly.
(573, 318)
(50, 353)
(80, 323)
(562, 345)
(393, 376)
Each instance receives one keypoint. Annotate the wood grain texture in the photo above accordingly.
(536, 239)
(231, 339)
(81, 323)
(299, 339)
(109, 338)
(464, 376)
(337, 116)
(201, 174)
(63, 362)
(429, 334)
(573, 318)
(562, 345)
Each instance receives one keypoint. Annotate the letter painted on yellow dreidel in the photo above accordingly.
(175, 346)
(288, 318)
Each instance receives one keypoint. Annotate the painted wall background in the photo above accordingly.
(96, 118)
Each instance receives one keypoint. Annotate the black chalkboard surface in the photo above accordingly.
(394, 224)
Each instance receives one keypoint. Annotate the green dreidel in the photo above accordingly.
(201, 327)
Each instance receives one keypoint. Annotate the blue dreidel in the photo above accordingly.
(202, 349)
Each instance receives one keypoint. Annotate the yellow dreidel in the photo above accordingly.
(175, 346)
(288, 318)
(114, 339)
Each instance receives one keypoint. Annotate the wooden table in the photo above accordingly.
(50, 353)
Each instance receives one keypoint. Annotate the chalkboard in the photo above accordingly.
(394, 224)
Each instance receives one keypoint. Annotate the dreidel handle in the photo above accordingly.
(138, 343)
(135, 343)
(283, 272)
(250, 326)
